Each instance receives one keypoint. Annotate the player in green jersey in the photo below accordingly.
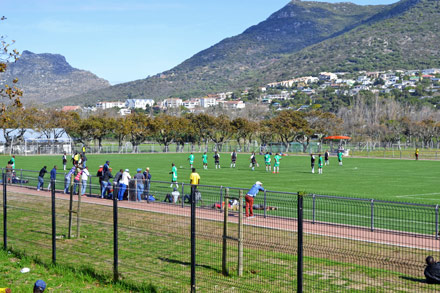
(174, 176)
(205, 161)
(320, 163)
(276, 166)
(340, 157)
(267, 161)
(191, 160)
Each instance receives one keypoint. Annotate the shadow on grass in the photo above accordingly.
(174, 261)
(418, 280)
(104, 279)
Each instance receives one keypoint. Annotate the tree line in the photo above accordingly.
(363, 121)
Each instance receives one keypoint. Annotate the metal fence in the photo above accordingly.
(182, 240)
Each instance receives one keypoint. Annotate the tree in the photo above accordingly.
(165, 129)
(264, 132)
(14, 123)
(138, 128)
(321, 124)
(11, 92)
(219, 130)
(99, 128)
(289, 126)
(199, 124)
(243, 129)
(120, 130)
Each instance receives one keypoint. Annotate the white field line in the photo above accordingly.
(411, 195)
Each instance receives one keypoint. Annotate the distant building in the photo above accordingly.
(124, 111)
(70, 108)
(208, 102)
(191, 104)
(109, 105)
(172, 103)
(327, 76)
(139, 103)
(234, 105)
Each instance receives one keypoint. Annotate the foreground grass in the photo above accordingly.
(58, 278)
(155, 248)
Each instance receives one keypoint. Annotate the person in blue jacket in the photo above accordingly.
(249, 198)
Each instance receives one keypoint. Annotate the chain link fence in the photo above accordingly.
(184, 238)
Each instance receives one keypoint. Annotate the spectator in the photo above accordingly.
(99, 175)
(39, 286)
(432, 271)
(118, 177)
(105, 167)
(140, 181)
(123, 183)
(106, 176)
(43, 171)
(175, 194)
(249, 198)
(75, 158)
(76, 180)
(64, 161)
(53, 176)
(147, 176)
(194, 178)
(84, 177)
(84, 160)
(67, 179)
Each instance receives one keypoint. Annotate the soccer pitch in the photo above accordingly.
(384, 179)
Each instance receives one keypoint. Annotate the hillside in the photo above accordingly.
(408, 39)
(45, 78)
(232, 61)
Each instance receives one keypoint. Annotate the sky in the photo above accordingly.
(126, 40)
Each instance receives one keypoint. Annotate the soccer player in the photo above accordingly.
(417, 154)
(312, 162)
(253, 161)
(326, 155)
(217, 160)
(233, 158)
(320, 164)
(340, 157)
(205, 161)
(267, 161)
(191, 160)
(174, 175)
(276, 165)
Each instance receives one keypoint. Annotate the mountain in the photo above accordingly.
(301, 38)
(45, 78)
(294, 27)
(406, 35)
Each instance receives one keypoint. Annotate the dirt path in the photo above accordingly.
(379, 236)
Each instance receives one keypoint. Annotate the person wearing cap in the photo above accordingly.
(140, 181)
(147, 176)
(249, 198)
(39, 286)
(106, 166)
(99, 174)
(123, 183)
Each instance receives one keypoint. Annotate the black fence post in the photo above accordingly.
(183, 195)
(115, 239)
(193, 238)
(5, 217)
(300, 243)
(221, 199)
(372, 215)
(90, 186)
(54, 227)
(313, 208)
(21, 178)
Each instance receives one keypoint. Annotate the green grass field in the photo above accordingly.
(385, 179)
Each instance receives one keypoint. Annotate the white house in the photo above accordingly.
(234, 104)
(208, 102)
(109, 105)
(139, 103)
(172, 103)
(327, 76)
(191, 104)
